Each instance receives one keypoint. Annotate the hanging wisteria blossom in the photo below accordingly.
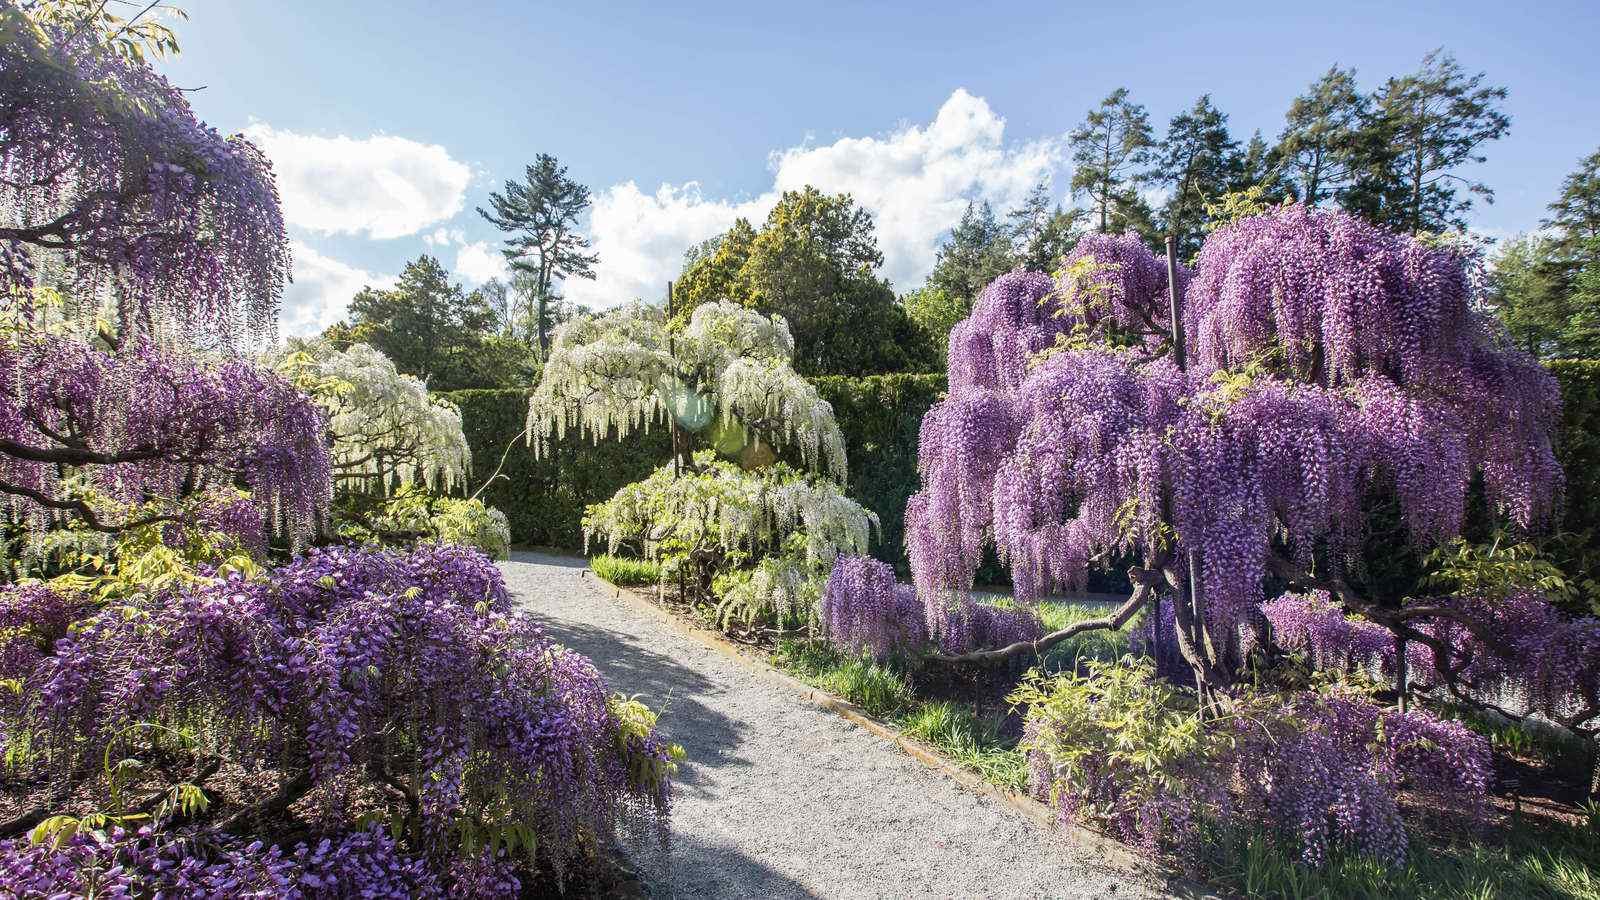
(111, 189)
(615, 373)
(85, 432)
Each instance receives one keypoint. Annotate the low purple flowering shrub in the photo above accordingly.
(358, 677)
(1119, 748)
(1314, 624)
(119, 863)
(970, 625)
(864, 609)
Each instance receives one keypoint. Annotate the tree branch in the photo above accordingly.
(1142, 591)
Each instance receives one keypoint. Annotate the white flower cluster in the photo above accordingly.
(621, 371)
(383, 423)
(723, 509)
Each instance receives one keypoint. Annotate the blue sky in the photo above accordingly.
(390, 122)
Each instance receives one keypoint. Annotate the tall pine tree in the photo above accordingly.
(1110, 150)
(1424, 129)
(1321, 140)
(540, 214)
(1200, 161)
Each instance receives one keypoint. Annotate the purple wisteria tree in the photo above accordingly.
(114, 192)
(1331, 367)
(131, 236)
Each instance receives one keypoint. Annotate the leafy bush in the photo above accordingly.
(414, 515)
(625, 571)
(400, 685)
(1119, 747)
(710, 520)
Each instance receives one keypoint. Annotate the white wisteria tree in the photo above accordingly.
(747, 528)
(724, 381)
(386, 430)
(396, 449)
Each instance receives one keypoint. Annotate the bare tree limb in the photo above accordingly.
(1142, 579)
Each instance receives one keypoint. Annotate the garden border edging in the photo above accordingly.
(1109, 848)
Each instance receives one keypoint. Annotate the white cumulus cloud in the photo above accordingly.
(480, 261)
(915, 180)
(321, 291)
(381, 186)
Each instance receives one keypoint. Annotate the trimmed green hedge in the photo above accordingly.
(1578, 442)
(544, 499)
(880, 416)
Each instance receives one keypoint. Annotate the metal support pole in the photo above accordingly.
(1179, 353)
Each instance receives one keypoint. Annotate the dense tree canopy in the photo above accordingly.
(1425, 127)
(1321, 143)
(433, 329)
(812, 262)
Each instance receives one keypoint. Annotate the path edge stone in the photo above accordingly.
(1109, 848)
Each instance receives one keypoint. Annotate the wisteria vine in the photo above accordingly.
(1328, 360)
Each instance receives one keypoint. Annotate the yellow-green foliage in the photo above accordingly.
(636, 721)
(625, 571)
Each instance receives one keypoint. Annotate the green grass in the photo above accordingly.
(625, 571)
(880, 690)
(1544, 861)
(1101, 645)
(974, 743)
(885, 693)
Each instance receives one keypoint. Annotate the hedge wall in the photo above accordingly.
(880, 416)
(1578, 443)
(544, 499)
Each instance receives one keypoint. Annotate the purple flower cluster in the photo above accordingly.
(32, 618)
(204, 864)
(968, 625)
(1314, 624)
(146, 424)
(1518, 643)
(1325, 769)
(866, 610)
(103, 161)
(350, 665)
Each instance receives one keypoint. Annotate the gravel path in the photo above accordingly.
(781, 799)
